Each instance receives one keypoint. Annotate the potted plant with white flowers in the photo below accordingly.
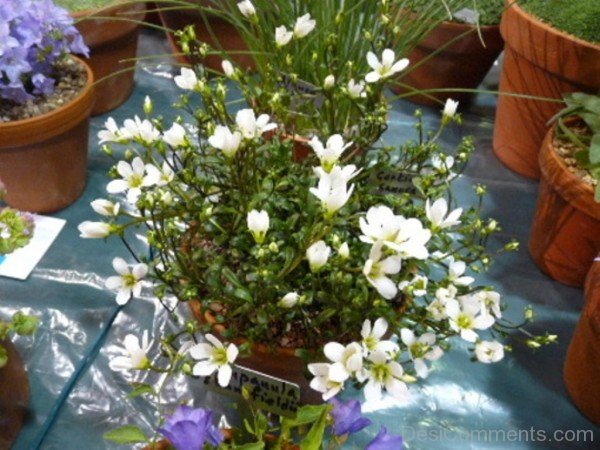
(46, 98)
(321, 262)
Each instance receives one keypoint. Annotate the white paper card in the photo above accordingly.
(21, 262)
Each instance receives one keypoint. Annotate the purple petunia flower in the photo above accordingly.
(385, 441)
(190, 429)
(347, 417)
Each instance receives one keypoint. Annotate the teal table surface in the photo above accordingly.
(519, 403)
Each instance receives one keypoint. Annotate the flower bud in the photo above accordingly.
(317, 255)
(329, 82)
(258, 224)
(289, 300)
(148, 106)
(344, 250)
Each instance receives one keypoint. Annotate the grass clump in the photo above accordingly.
(82, 5)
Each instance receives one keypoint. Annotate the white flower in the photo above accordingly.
(282, 36)
(142, 130)
(416, 287)
(469, 319)
(347, 360)
(213, 356)
(162, 176)
(443, 164)
(380, 224)
(246, 8)
(450, 109)
(289, 300)
(175, 136)
(187, 79)
(356, 90)
(436, 214)
(386, 68)
(332, 188)
(371, 338)
(94, 230)
(228, 69)
(456, 269)
(331, 152)
(420, 349)
(250, 126)
(111, 133)
(137, 358)
(326, 381)
(226, 141)
(344, 250)
(490, 301)
(411, 239)
(384, 374)
(105, 207)
(134, 177)
(445, 305)
(129, 280)
(303, 26)
(489, 351)
(317, 255)
(376, 269)
(329, 82)
(258, 224)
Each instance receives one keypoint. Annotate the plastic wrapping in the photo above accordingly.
(76, 397)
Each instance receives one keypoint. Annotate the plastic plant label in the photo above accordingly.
(264, 391)
(21, 262)
(386, 182)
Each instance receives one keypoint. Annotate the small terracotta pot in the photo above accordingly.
(43, 160)
(582, 365)
(111, 42)
(227, 36)
(461, 65)
(539, 61)
(565, 236)
(279, 362)
(14, 396)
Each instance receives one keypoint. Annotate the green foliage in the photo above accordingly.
(586, 107)
(128, 434)
(16, 229)
(21, 324)
(580, 18)
(490, 11)
(83, 5)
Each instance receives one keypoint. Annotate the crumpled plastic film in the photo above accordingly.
(519, 403)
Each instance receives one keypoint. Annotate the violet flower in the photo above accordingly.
(347, 417)
(385, 441)
(191, 429)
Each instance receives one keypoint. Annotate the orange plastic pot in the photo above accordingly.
(278, 362)
(461, 65)
(565, 236)
(43, 159)
(14, 396)
(113, 44)
(539, 61)
(582, 365)
(221, 35)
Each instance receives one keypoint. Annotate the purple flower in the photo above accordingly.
(190, 429)
(347, 417)
(385, 441)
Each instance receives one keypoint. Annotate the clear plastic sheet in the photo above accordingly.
(76, 397)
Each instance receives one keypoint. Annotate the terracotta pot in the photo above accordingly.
(43, 159)
(461, 65)
(111, 42)
(14, 396)
(565, 236)
(538, 61)
(279, 362)
(582, 365)
(227, 36)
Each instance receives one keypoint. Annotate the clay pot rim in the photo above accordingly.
(564, 182)
(514, 8)
(86, 95)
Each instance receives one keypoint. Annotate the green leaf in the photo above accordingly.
(142, 389)
(3, 356)
(591, 103)
(242, 294)
(129, 434)
(227, 273)
(595, 149)
(24, 324)
(251, 446)
(314, 437)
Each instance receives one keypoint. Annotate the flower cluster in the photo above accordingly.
(35, 35)
(16, 227)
